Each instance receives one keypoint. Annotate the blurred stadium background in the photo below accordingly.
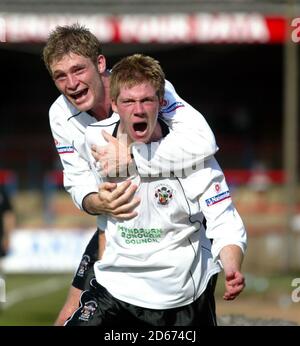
(235, 61)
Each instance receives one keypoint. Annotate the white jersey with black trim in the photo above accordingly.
(68, 127)
(162, 258)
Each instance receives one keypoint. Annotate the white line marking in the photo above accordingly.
(33, 291)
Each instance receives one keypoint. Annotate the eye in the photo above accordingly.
(148, 101)
(127, 102)
(59, 77)
(79, 70)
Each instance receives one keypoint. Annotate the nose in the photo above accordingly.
(139, 108)
(72, 82)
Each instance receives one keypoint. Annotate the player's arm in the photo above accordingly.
(117, 200)
(225, 227)
(184, 149)
(80, 181)
(71, 304)
(231, 257)
(83, 276)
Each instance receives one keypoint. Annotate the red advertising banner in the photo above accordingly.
(172, 28)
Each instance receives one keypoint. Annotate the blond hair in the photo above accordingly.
(68, 39)
(136, 69)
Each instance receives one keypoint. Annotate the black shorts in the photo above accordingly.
(99, 308)
(85, 271)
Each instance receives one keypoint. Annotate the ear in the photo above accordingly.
(114, 106)
(101, 63)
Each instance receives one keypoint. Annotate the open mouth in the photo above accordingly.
(140, 127)
(139, 130)
(76, 96)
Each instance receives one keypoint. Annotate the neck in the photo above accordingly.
(157, 133)
(102, 110)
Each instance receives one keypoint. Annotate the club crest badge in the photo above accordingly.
(84, 264)
(88, 310)
(163, 194)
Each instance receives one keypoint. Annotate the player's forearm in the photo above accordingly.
(90, 204)
(231, 257)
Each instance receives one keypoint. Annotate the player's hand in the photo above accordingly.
(114, 158)
(117, 201)
(234, 284)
